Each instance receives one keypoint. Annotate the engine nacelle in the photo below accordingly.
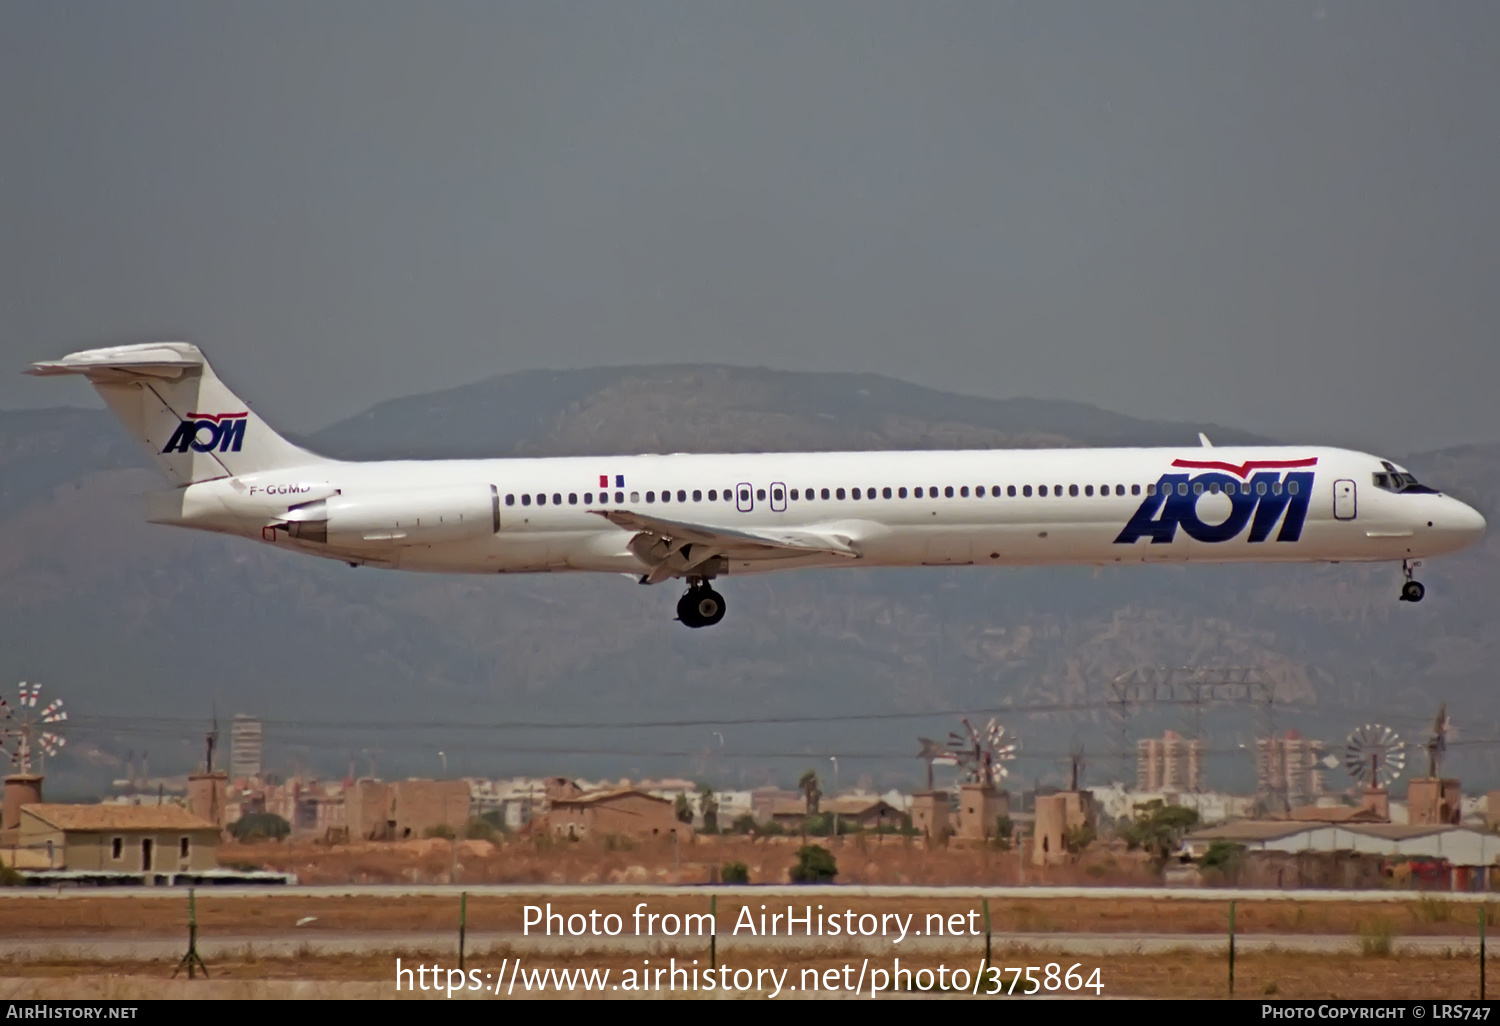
(420, 516)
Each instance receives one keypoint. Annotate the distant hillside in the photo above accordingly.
(140, 626)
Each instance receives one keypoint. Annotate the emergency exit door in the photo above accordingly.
(1344, 504)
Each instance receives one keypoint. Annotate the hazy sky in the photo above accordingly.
(1280, 216)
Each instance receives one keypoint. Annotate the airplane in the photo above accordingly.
(701, 517)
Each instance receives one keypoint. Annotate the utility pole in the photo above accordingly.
(835, 760)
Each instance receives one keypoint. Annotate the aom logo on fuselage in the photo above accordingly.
(1259, 495)
(226, 433)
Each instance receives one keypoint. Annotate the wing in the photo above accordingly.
(674, 548)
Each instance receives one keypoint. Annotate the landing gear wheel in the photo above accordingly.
(700, 607)
(1412, 591)
(709, 605)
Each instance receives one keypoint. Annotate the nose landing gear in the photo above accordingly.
(701, 606)
(1411, 591)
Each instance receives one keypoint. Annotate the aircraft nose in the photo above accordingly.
(1466, 522)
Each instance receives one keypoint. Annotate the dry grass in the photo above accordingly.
(275, 913)
(1176, 974)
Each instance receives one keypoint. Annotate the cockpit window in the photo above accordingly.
(1399, 481)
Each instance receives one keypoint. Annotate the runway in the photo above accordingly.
(756, 893)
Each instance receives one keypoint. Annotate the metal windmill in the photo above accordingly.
(26, 731)
(982, 754)
(1437, 743)
(934, 753)
(1374, 755)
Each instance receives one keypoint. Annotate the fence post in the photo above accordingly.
(987, 959)
(1231, 949)
(713, 936)
(192, 960)
(463, 923)
(1481, 952)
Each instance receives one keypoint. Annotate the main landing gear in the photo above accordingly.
(701, 606)
(1411, 591)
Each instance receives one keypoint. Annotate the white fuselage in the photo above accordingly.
(1042, 506)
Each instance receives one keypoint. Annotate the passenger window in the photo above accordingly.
(839, 493)
(1041, 489)
(1292, 487)
(1150, 488)
(901, 493)
(1120, 489)
(713, 495)
(760, 493)
(635, 496)
(1057, 490)
(510, 500)
(995, 491)
(1010, 490)
(1182, 488)
(964, 491)
(744, 495)
(572, 498)
(917, 491)
(557, 498)
(650, 496)
(1073, 490)
(824, 493)
(1275, 487)
(1026, 491)
(526, 500)
(885, 493)
(697, 495)
(681, 495)
(588, 498)
(728, 495)
(541, 500)
(932, 491)
(1088, 489)
(619, 496)
(776, 494)
(1229, 488)
(854, 493)
(794, 495)
(666, 495)
(869, 493)
(948, 491)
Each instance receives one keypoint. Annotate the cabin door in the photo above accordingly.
(1344, 504)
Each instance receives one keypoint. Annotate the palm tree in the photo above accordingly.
(683, 809)
(810, 791)
(708, 805)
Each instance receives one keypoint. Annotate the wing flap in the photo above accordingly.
(725, 541)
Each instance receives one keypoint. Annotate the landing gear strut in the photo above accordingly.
(701, 606)
(1411, 591)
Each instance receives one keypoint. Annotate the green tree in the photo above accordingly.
(744, 823)
(260, 826)
(1157, 828)
(683, 808)
(734, 873)
(1223, 856)
(708, 805)
(815, 864)
(811, 793)
(1005, 828)
(1075, 839)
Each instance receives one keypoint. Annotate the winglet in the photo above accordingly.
(1203, 439)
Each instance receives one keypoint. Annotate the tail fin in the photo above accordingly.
(168, 397)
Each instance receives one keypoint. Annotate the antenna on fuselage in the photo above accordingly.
(1203, 439)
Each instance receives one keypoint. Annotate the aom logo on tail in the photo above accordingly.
(1259, 497)
(224, 432)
